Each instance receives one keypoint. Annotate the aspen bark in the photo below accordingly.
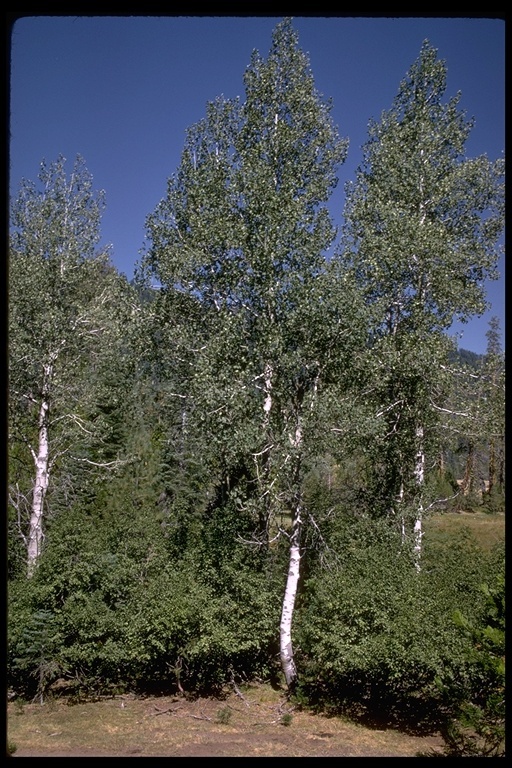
(42, 477)
(292, 581)
(264, 472)
(419, 474)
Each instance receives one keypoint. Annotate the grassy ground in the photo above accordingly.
(488, 530)
(255, 722)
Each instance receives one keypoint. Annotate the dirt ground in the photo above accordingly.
(256, 723)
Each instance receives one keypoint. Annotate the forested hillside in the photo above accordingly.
(224, 469)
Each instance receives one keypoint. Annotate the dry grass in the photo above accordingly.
(488, 530)
(245, 724)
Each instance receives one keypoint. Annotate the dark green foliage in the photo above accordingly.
(18, 509)
(237, 631)
(478, 728)
(375, 635)
(493, 502)
(466, 357)
(224, 715)
(37, 662)
(82, 584)
(11, 747)
(122, 614)
(456, 567)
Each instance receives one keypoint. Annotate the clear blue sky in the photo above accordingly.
(121, 92)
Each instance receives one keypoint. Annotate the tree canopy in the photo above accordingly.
(225, 471)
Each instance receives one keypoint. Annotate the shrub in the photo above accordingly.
(35, 658)
(374, 635)
(478, 729)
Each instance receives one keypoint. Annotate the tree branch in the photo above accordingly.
(104, 464)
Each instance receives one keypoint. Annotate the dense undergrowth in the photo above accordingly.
(375, 640)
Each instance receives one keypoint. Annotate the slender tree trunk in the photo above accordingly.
(42, 478)
(262, 459)
(267, 405)
(419, 475)
(292, 581)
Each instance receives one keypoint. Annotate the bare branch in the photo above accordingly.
(389, 408)
(17, 503)
(105, 464)
(447, 410)
(30, 398)
(442, 501)
(237, 690)
(255, 542)
(165, 711)
(460, 372)
(265, 450)
(76, 419)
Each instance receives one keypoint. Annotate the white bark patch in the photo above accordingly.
(292, 582)
(419, 473)
(42, 467)
(267, 405)
(418, 534)
(42, 477)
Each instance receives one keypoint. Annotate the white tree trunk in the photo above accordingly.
(262, 459)
(419, 474)
(292, 581)
(267, 406)
(42, 478)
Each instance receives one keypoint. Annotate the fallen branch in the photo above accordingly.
(238, 691)
(164, 711)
